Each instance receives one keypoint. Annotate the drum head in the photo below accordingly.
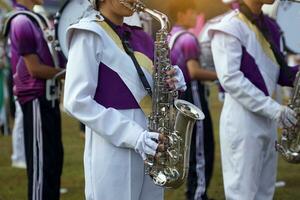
(69, 14)
(206, 56)
(288, 18)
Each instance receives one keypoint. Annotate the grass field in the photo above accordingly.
(13, 181)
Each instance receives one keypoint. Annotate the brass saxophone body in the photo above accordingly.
(289, 146)
(172, 117)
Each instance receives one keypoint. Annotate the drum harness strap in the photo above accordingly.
(37, 18)
(52, 87)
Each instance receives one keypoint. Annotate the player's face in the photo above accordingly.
(119, 8)
(190, 17)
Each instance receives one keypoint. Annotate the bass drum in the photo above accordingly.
(206, 57)
(73, 10)
(70, 13)
(287, 15)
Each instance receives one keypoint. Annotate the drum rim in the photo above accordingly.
(59, 36)
(287, 47)
(57, 17)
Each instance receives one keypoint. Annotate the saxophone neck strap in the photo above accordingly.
(125, 42)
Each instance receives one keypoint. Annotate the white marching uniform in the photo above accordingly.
(113, 170)
(247, 128)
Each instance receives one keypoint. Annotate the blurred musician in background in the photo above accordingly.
(249, 64)
(32, 64)
(18, 151)
(4, 65)
(185, 52)
(104, 91)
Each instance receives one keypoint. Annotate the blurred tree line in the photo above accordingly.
(209, 8)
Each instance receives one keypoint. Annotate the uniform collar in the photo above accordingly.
(255, 19)
(121, 30)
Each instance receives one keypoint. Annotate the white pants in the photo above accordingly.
(114, 173)
(18, 137)
(249, 158)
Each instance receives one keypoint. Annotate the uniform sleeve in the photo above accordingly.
(80, 87)
(227, 54)
(22, 35)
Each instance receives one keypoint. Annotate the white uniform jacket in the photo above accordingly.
(113, 170)
(247, 126)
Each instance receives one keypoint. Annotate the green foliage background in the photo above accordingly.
(13, 181)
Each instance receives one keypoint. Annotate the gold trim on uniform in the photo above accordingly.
(146, 105)
(145, 62)
(260, 38)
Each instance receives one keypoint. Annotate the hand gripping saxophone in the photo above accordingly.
(172, 117)
(289, 146)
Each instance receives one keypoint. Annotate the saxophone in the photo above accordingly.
(289, 146)
(170, 116)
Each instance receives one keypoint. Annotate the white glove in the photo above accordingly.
(286, 117)
(146, 145)
(180, 83)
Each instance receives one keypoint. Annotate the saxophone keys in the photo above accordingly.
(160, 179)
(174, 156)
(172, 173)
(174, 139)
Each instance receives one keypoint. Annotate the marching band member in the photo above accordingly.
(32, 64)
(185, 52)
(249, 64)
(103, 90)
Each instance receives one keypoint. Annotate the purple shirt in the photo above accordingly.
(185, 48)
(27, 38)
(111, 90)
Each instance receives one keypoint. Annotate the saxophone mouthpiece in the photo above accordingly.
(136, 6)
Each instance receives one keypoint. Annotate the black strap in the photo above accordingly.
(138, 68)
(130, 52)
(31, 15)
(267, 35)
(278, 56)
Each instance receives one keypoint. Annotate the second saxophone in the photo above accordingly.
(170, 116)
